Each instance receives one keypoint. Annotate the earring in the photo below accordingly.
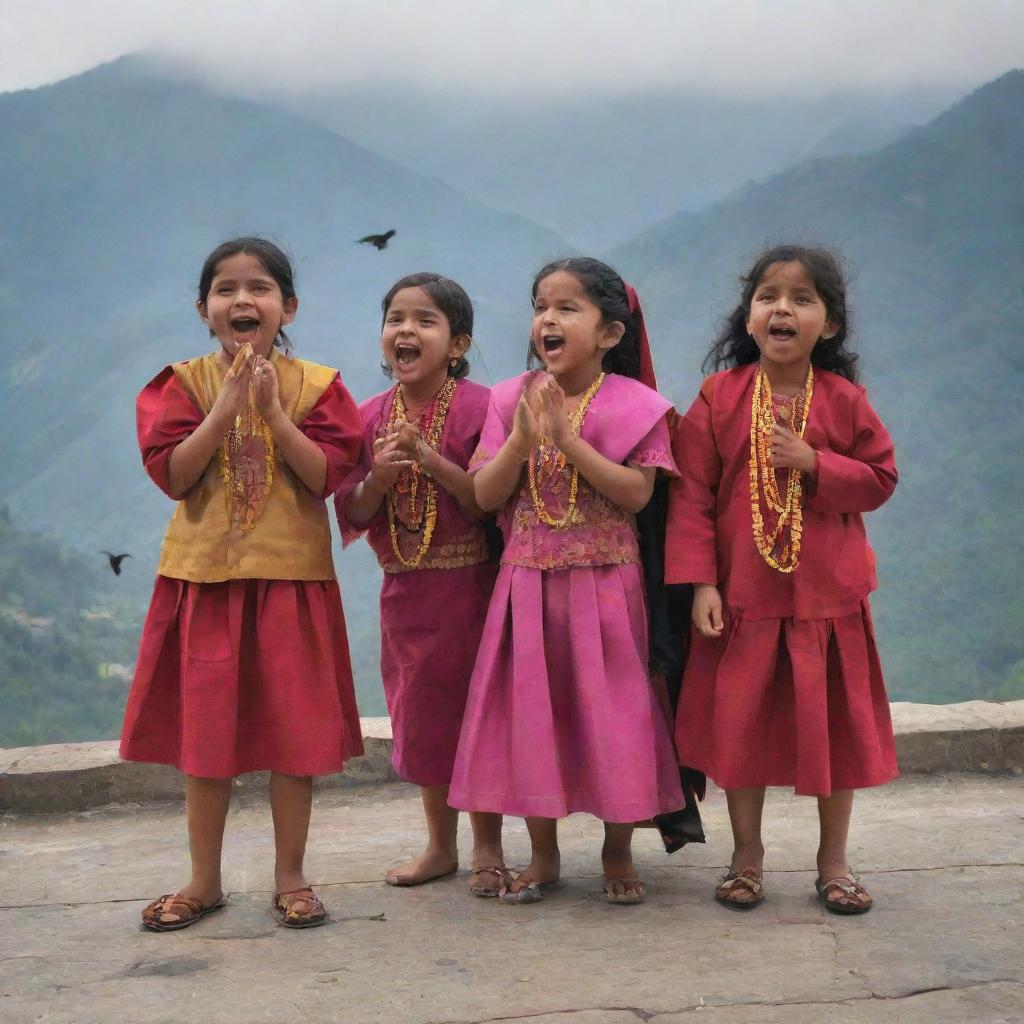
(453, 362)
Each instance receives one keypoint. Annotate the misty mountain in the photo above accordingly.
(932, 230)
(114, 186)
(600, 168)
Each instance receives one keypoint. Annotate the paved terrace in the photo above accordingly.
(943, 853)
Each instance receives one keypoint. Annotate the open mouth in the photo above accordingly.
(552, 344)
(782, 333)
(406, 354)
(244, 329)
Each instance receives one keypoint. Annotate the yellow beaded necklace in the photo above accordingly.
(763, 480)
(246, 459)
(424, 519)
(547, 452)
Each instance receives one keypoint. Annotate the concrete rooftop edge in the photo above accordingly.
(982, 736)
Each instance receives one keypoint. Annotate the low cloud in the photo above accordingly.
(739, 48)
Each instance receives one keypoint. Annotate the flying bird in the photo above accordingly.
(378, 241)
(116, 560)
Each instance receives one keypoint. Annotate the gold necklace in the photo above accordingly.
(763, 480)
(543, 452)
(246, 458)
(425, 518)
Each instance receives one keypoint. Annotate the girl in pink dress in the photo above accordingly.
(562, 715)
(413, 497)
(243, 664)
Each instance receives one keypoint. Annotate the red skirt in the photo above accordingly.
(788, 702)
(243, 676)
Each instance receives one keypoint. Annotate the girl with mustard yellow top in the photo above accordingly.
(243, 664)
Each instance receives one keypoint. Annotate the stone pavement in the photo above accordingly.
(943, 855)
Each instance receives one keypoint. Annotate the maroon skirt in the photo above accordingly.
(243, 676)
(788, 702)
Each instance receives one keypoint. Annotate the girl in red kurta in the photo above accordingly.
(780, 455)
(413, 497)
(244, 664)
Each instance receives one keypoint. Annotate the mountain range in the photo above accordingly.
(115, 184)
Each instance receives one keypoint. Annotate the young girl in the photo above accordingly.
(244, 663)
(780, 455)
(412, 494)
(562, 716)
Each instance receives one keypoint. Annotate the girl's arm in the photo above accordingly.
(189, 459)
(366, 498)
(691, 533)
(325, 447)
(843, 484)
(863, 480)
(454, 479)
(629, 487)
(497, 481)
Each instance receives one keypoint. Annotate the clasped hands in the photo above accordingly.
(247, 369)
(541, 412)
(397, 451)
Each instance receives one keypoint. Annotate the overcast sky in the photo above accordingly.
(731, 47)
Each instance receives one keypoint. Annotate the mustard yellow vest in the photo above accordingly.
(291, 539)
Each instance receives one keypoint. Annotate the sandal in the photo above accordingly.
(747, 880)
(287, 913)
(532, 892)
(636, 891)
(838, 893)
(486, 891)
(186, 910)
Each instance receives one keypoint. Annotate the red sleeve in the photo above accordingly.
(864, 479)
(334, 424)
(165, 414)
(690, 534)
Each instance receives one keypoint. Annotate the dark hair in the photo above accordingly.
(606, 289)
(735, 347)
(274, 262)
(450, 297)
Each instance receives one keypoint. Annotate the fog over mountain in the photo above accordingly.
(116, 183)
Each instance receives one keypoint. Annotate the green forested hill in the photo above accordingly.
(67, 640)
(932, 230)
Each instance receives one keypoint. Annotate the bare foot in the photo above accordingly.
(542, 870)
(622, 883)
(425, 868)
(209, 894)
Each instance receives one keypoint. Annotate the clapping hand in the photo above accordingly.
(266, 391)
(389, 460)
(234, 391)
(791, 452)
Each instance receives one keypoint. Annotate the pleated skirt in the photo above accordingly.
(243, 676)
(561, 715)
(784, 702)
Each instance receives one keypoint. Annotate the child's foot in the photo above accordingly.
(173, 911)
(489, 880)
(741, 890)
(622, 884)
(425, 868)
(530, 884)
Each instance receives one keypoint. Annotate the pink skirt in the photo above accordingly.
(562, 716)
(430, 626)
(788, 702)
(243, 676)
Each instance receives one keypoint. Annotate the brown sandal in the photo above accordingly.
(285, 911)
(838, 893)
(735, 882)
(186, 910)
(487, 891)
